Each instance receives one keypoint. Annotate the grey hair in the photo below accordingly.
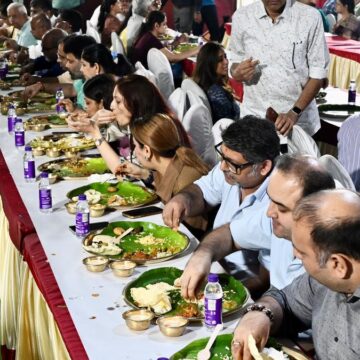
(141, 7)
(20, 8)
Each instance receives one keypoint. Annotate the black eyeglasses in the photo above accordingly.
(234, 168)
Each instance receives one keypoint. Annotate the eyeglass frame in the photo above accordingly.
(238, 167)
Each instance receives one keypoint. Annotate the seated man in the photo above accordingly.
(43, 6)
(238, 184)
(70, 21)
(40, 24)
(325, 236)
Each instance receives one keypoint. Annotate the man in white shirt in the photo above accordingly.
(282, 59)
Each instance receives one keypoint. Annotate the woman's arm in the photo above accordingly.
(173, 57)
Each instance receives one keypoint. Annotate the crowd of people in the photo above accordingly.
(280, 212)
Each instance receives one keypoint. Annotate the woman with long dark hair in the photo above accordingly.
(348, 26)
(211, 74)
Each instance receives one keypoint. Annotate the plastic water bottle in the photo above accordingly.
(59, 96)
(352, 93)
(19, 133)
(11, 118)
(29, 165)
(213, 302)
(45, 198)
(3, 69)
(82, 217)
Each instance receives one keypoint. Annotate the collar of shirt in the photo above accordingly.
(27, 24)
(257, 195)
(261, 11)
(354, 297)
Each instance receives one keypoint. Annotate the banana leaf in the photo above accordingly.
(339, 111)
(134, 195)
(174, 242)
(235, 294)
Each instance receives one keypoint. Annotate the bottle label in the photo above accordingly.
(82, 223)
(29, 169)
(19, 138)
(11, 123)
(213, 311)
(352, 97)
(59, 108)
(45, 199)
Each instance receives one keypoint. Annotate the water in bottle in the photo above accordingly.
(29, 165)
(213, 302)
(45, 198)
(59, 96)
(11, 118)
(352, 93)
(82, 217)
(19, 133)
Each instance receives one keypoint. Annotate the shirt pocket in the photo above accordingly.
(295, 53)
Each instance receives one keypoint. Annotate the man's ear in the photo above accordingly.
(340, 265)
(266, 167)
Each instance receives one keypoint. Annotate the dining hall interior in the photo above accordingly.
(179, 179)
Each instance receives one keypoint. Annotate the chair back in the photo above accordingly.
(95, 17)
(140, 70)
(177, 102)
(299, 142)
(197, 123)
(190, 85)
(218, 129)
(117, 45)
(160, 66)
(91, 31)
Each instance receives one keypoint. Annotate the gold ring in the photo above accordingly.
(234, 342)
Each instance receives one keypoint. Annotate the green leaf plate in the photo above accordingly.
(235, 294)
(50, 121)
(338, 111)
(135, 195)
(77, 168)
(175, 241)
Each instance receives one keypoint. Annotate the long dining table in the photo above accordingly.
(51, 306)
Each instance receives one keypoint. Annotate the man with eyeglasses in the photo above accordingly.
(238, 184)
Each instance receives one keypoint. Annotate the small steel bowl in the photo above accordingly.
(71, 207)
(172, 325)
(96, 263)
(138, 319)
(97, 210)
(122, 268)
(53, 152)
(38, 151)
(39, 127)
(71, 153)
(52, 178)
(20, 111)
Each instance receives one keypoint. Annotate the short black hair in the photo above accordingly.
(76, 44)
(100, 87)
(311, 175)
(73, 17)
(45, 5)
(254, 138)
(350, 4)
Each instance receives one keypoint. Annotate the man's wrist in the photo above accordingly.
(296, 110)
(260, 308)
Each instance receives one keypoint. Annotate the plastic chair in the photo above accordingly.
(191, 85)
(197, 123)
(299, 142)
(91, 31)
(117, 45)
(160, 66)
(331, 21)
(338, 172)
(177, 101)
(140, 70)
(95, 17)
(218, 129)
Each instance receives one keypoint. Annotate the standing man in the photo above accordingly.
(282, 59)
(325, 237)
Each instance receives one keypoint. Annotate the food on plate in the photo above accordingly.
(92, 196)
(116, 200)
(267, 354)
(112, 189)
(118, 230)
(103, 244)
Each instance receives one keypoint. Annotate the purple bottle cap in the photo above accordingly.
(213, 278)
(18, 120)
(82, 197)
(44, 175)
(28, 148)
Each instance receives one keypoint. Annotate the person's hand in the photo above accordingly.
(197, 17)
(127, 168)
(175, 211)
(69, 105)
(81, 122)
(32, 90)
(245, 70)
(104, 117)
(11, 44)
(195, 272)
(285, 122)
(254, 323)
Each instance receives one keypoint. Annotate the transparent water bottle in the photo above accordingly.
(11, 118)
(59, 96)
(213, 295)
(29, 165)
(19, 133)
(82, 217)
(45, 198)
(352, 93)
(3, 69)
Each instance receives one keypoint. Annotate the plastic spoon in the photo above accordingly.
(205, 354)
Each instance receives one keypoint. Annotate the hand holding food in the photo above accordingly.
(69, 105)
(175, 211)
(127, 168)
(245, 70)
(32, 90)
(103, 117)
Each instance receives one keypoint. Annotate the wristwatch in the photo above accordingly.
(99, 141)
(296, 110)
(261, 308)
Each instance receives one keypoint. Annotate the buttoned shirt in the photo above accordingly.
(334, 317)
(25, 37)
(290, 50)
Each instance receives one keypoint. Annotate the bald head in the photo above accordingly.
(50, 43)
(40, 24)
(17, 15)
(333, 217)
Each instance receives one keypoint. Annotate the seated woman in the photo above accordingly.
(154, 27)
(112, 14)
(134, 97)
(348, 26)
(211, 74)
(165, 162)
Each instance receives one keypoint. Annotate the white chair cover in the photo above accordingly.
(192, 98)
(160, 66)
(197, 123)
(189, 84)
(331, 21)
(140, 70)
(177, 102)
(91, 31)
(299, 142)
(338, 172)
(116, 43)
(219, 127)
(95, 17)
